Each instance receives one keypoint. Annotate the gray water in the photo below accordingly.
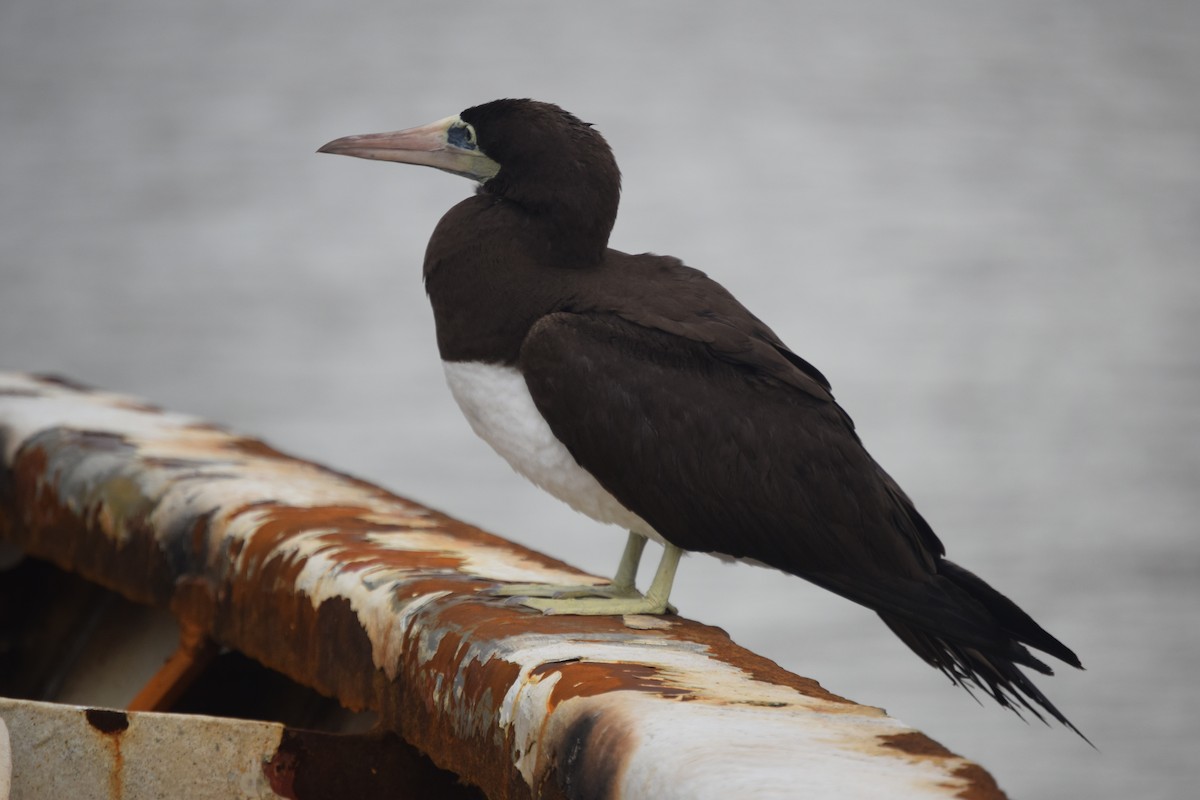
(980, 219)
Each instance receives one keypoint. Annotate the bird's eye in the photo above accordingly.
(462, 136)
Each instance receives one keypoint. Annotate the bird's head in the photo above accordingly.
(535, 155)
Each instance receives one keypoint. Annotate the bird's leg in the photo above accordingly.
(626, 577)
(622, 584)
(654, 602)
(664, 578)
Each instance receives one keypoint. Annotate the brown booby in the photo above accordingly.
(640, 392)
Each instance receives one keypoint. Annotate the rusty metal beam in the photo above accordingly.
(384, 604)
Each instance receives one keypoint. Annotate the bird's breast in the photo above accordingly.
(496, 402)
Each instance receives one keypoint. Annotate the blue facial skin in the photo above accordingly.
(460, 136)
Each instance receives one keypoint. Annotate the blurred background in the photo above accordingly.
(981, 220)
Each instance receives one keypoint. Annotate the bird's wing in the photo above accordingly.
(730, 459)
(678, 299)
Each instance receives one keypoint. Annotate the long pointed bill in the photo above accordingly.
(428, 146)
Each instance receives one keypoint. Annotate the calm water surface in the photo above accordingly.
(980, 220)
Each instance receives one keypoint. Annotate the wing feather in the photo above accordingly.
(723, 455)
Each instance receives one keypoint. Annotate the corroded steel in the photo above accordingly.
(385, 604)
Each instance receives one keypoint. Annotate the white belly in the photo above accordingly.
(497, 403)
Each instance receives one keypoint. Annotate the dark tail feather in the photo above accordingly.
(997, 676)
(1008, 616)
(994, 668)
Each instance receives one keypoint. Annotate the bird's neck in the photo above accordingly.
(569, 213)
(492, 270)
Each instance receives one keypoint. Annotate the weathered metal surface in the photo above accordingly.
(61, 751)
(384, 604)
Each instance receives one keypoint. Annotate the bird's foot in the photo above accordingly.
(599, 606)
(557, 591)
(586, 599)
(619, 597)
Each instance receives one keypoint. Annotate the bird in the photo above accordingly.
(643, 394)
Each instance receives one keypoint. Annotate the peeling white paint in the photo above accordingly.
(49, 405)
(698, 750)
(527, 707)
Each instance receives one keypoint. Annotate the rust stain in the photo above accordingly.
(108, 722)
(194, 603)
(280, 772)
(494, 625)
(453, 696)
(362, 556)
(915, 743)
(111, 724)
(61, 530)
(718, 643)
(590, 678)
(283, 522)
(455, 583)
(484, 684)
(63, 381)
(980, 785)
(349, 540)
(324, 648)
(197, 542)
(246, 446)
(463, 683)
